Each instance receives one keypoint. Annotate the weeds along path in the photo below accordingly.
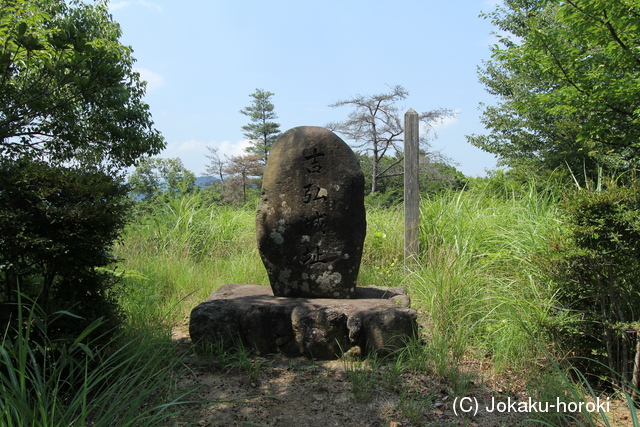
(484, 297)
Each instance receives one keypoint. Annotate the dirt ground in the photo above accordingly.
(298, 392)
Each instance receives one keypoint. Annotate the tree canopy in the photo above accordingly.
(566, 76)
(262, 131)
(71, 117)
(67, 87)
(154, 176)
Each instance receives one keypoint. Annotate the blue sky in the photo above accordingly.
(203, 58)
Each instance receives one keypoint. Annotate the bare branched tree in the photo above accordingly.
(376, 126)
(242, 172)
(216, 164)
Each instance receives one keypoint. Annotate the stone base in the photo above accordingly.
(376, 320)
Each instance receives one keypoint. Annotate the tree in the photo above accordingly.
(154, 176)
(68, 90)
(242, 172)
(435, 176)
(216, 165)
(237, 175)
(376, 127)
(597, 265)
(262, 131)
(566, 76)
(71, 116)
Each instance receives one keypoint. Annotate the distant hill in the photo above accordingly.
(203, 181)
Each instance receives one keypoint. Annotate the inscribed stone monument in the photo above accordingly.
(311, 219)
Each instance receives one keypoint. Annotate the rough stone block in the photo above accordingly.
(376, 320)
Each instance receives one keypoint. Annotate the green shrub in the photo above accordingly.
(598, 270)
(57, 226)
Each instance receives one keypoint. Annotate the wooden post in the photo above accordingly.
(411, 194)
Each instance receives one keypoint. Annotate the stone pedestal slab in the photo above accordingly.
(376, 320)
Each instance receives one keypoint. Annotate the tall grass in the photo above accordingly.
(382, 258)
(183, 227)
(46, 383)
(174, 256)
(481, 285)
(482, 277)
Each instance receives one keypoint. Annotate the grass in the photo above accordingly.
(481, 284)
(46, 383)
(478, 280)
(480, 287)
(176, 255)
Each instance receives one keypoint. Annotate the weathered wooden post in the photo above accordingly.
(411, 194)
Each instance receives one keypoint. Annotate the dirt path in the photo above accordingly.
(298, 392)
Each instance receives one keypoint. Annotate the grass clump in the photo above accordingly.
(481, 283)
(51, 383)
(178, 252)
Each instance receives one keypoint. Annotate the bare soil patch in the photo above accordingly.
(301, 392)
(288, 392)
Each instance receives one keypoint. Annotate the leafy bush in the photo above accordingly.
(57, 225)
(598, 271)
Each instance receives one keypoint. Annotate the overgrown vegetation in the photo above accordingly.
(71, 119)
(58, 226)
(597, 265)
(486, 284)
(78, 380)
(528, 278)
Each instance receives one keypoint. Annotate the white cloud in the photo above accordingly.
(446, 122)
(190, 146)
(118, 5)
(192, 154)
(151, 5)
(153, 79)
(229, 149)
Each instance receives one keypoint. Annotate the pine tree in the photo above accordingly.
(262, 131)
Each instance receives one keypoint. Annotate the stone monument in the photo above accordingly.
(310, 228)
(311, 220)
